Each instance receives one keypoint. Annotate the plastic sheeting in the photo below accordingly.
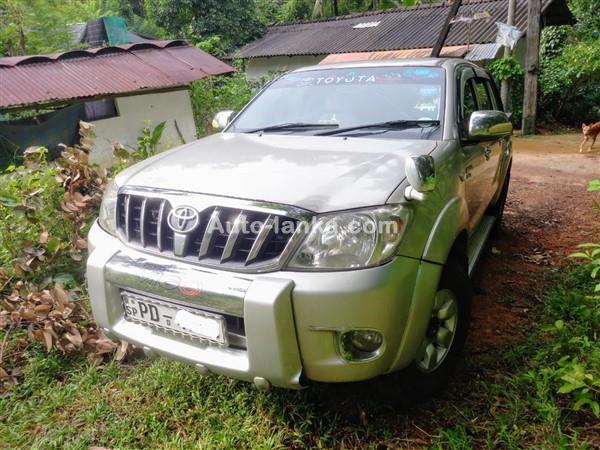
(48, 130)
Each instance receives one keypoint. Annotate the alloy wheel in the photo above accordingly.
(440, 331)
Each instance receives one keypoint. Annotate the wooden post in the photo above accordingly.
(437, 48)
(505, 91)
(532, 59)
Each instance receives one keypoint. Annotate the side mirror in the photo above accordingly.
(420, 173)
(222, 119)
(484, 125)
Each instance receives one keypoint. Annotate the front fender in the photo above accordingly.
(451, 221)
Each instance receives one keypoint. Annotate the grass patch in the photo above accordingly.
(506, 400)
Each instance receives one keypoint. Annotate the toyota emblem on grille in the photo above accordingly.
(183, 219)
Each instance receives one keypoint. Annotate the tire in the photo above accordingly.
(416, 384)
(497, 209)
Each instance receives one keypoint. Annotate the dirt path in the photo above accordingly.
(548, 213)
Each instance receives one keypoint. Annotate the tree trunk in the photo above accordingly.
(334, 4)
(532, 59)
(318, 9)
(376, 4)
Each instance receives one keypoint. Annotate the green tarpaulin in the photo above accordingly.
(116, 30)
(48, 130)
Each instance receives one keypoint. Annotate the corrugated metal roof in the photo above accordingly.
(483, 52)
(79, 74)
(395, 29)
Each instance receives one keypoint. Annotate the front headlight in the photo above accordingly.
(108, 210)
(352, 240)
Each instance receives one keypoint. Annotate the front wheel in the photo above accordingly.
(442, 346)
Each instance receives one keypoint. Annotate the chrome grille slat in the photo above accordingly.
(143, 222)
(159, 225)
(209, 233)
(240, 237)
(263, 234)
(128, 218)
(233, 237)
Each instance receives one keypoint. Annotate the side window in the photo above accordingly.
(493, 89)
(483, 95)
(469, 104)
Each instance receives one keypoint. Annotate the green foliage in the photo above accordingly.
(213, 45)
(42, 26)
(569, 83)
(211, 95)
(594, 186)
(591, 253)
(506, 68)
(148, 141)
(570, 363)
(44, 214)
(147, 146)
(235, 21)
(29, 199)
(294, 10)
(570, 67)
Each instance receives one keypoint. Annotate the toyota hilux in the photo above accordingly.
(328, 233)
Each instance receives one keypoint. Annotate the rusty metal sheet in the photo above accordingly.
(78, 74)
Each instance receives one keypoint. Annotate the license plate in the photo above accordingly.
(167, 316)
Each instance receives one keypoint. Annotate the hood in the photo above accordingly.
(317, 173)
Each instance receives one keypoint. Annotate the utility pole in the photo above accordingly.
(505, 91)
(437, 48)
(336, 11)
(532, 60)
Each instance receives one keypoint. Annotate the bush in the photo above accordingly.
(570, 364)
(508, 68)
(569, 83)
(213, 94)
(46, 209)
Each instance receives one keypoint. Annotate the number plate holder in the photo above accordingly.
(174, 318)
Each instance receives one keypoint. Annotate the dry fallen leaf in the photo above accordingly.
(122, 350)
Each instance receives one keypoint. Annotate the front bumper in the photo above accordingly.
(292, 320)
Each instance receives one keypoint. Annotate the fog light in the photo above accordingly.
(361, 344)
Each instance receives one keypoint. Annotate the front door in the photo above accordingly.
(474, 154)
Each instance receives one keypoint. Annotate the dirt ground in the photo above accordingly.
(548, 213)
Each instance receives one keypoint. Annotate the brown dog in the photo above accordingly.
(589, 132)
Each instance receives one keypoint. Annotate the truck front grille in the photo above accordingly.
(143, 221)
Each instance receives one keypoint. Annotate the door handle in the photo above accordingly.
(487, 152)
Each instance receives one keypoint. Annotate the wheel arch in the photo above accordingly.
(426, 285)
(449, 232)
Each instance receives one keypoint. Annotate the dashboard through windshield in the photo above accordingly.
(387, 102)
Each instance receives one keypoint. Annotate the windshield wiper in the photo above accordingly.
(393, 124)
(293, 126)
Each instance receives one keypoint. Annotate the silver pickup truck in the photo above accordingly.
(327, 234)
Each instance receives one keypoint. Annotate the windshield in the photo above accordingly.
(316, 101)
